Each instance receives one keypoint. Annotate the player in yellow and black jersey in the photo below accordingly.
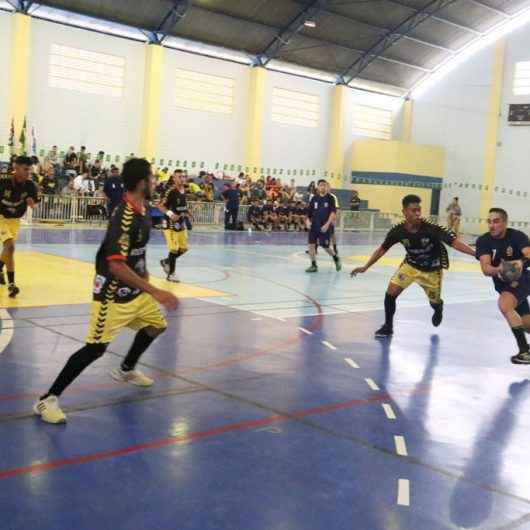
(17, 192)
(426, 257)
(175, 208)
(122, 294)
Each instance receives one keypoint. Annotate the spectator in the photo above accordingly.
(70, 162)
(194, 190)
(231, 196)
(84, 184)
(163, 176)
(255, 215)
(113, 190)
(311, 189)
(257, 191)
(82, 160)
(69, 189)
(209, 189)
(454, 215)
(52, 161)
(49, 184)
(355, 201)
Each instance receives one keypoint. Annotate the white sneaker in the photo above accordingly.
(173, 278)
(135, 377)
(49, 411)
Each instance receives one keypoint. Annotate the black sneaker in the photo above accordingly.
(384, 331)
(2, 278)
(523, 357)
(438, 315)
(164, 263)
(13, 290)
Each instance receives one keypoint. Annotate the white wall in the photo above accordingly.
(453, 114)
(65, 117)
(5, 51)
(203, 136)
(513, 152)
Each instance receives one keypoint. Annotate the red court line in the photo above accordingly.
(187, 438)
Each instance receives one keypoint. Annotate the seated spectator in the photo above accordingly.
(82, 160)
(355, 201)
(283, 213)
(194, 191)
(69, 189)
(84, 184)
(257, 191)
(49, 184)
(209, 189)
(70, 163)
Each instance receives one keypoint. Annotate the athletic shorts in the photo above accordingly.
(108, 319)
(9, 229)
(521, 291)
(316, 237)
(430, 282)
(176, 240)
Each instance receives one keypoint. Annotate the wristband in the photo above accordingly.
(169, 213)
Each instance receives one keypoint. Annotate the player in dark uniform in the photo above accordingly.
(321, 215)
(255, 214)
(283, 216)
(122, 294)
(506, 244)
(17, 192)
(175, 208)
(426, 257)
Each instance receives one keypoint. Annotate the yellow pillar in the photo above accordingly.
(335, 158)
(406, 124)
(19, 70)
(150, 134)
(256, 113)
(492, 130)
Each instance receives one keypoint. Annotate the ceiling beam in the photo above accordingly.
(311, 12)
(390, 38)
(490, 8)
(437, 18)
(171, 19)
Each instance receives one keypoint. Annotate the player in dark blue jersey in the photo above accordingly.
(321, 216)
(502, 244)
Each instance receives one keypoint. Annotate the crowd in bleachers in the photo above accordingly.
(272, 204)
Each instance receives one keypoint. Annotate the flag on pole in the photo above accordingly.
(33, 142)
(12, 136)
(22, 139)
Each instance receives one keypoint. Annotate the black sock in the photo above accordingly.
(520, 337)
(1, 265)
(11, 276)
(335, 258)
(75, 365)
(335, 249)
(390, 309)
(172, 262)
(142, 341)
(437, 307)
(313, 263)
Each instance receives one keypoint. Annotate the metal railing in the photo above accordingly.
(93, 210)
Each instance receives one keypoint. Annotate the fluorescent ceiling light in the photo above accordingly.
(302, 71)
(482, 41)
(310, 24)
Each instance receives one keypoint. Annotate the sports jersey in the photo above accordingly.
(13, 197)
(125, 240)
(424, 248)
(319, 209)
(283, 210)
(176, 202)
(254, 212)
(508, 248)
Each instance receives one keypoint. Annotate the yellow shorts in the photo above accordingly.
(9, 229)
(107, 319)
(176, 240)
(430, 282)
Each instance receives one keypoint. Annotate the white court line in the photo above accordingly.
(403, 496)
(280, 319)
(371, 383)
(401, 446)
(256, 319)
(388, 411)
(328, 345)
(306, 331)
(7, 330)
(351, 362)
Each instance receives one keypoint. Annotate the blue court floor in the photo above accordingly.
(274, 408)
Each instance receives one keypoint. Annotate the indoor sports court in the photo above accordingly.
(227, 231)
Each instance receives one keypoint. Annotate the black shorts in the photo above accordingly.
(521, 291)
(316, 237)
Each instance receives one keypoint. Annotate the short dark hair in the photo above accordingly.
(23, 160)
(503, 213)
(321, 180)
(134, 171)
(410, 199)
